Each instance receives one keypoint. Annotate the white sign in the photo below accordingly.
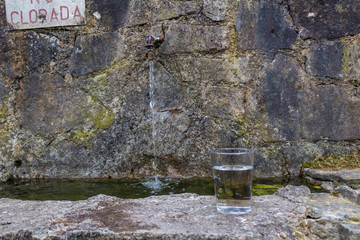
(24, 14)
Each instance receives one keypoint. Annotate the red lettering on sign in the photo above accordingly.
(33, 17)
(32, 1)
(22, 18)
(54, 15)
(12, 19)
(62, 10)
(77, 12)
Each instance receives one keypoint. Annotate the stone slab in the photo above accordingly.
(330, 19)
(349, 193)
(184, 216)
(344, 176)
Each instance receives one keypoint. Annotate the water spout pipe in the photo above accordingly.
(154, 42)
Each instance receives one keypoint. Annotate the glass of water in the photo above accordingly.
(233, 170)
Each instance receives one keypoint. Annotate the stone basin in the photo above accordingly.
(291, 213)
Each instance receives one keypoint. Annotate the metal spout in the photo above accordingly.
(153, 43)
(150, 55)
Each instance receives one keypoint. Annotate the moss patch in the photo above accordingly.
(335, 162)
(100, 120)
(4, 125)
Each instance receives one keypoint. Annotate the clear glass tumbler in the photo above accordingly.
(233, 170)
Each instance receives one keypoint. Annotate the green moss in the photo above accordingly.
(100, 121)
(354, 219)
(234, 39)
(335, 162)
(168, 15)
(4, 125)
(252, 129)
(4, 112)
(346, 59)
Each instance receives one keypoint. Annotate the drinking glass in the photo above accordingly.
(233, 170)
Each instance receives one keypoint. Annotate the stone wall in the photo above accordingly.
(280, 76)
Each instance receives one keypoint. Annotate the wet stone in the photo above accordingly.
(326, 19)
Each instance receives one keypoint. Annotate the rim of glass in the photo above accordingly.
(232, 151)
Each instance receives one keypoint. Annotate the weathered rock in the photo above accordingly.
(91, 55)
(270, 162)
(185, 216)
(111, 15)
(344, 176)
(298, 109)
(141, 12)
(283, 92)
(326, 59)
(4, 91)
(47, 106)
(173, 9)
(334, 102)
(294, 194)
(350, 231)
(24, 51)
(349, 193)
(263, 25)
(351, 62)
(300, 153)
(183, 38)
(215, 10)
(331, 19)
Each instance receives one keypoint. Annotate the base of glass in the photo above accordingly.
(233, 209)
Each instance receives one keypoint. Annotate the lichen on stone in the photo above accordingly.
(4, 125)
(335, 162)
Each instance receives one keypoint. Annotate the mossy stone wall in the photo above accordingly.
(280, 76)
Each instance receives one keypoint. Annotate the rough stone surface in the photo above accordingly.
(330, 19)
(215, 10)
(263, 25)
(4, 91)
(111, 15)
(183, 38)
(350, 231)
(90, 54)
(185, 216)
(326, 59)
(296, 106)
(349, 193)
(344, 176)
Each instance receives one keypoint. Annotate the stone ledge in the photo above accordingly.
(184, 216)
(344, 176)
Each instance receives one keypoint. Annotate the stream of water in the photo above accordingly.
(152, 108)
(153, 183)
